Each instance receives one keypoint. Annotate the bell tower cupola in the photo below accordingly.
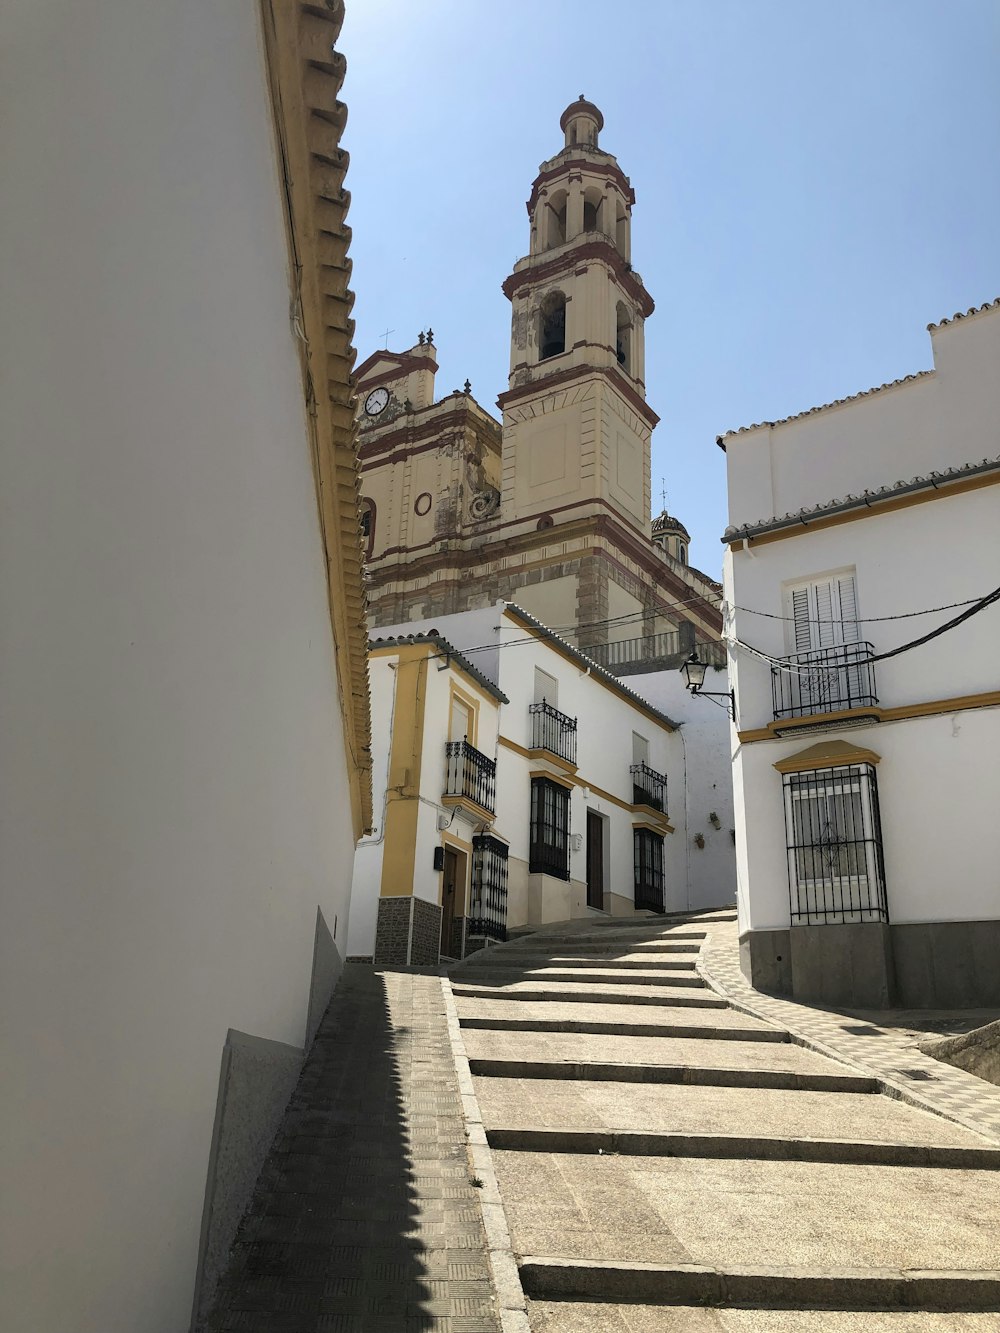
(576, 424)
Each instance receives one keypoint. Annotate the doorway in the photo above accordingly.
(452, 900)
(595, 860)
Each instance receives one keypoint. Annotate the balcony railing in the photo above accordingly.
(824, 680)
(648, 787)
(470, 774)
(553, 731)
(625, 652)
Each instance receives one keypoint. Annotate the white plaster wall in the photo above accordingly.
(172, 776)
(926, 555)
(938, 792)
(466, 630)
(367, 880)
(944, 419)
(708, 873)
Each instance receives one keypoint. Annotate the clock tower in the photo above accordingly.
(576, 423)
(549, 508)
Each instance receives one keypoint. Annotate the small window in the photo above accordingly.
(548, 848)
(648, 869)
(367, 520)
(682, 554)
(623, 337)
(546, 688)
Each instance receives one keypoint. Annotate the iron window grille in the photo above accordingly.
(824, 680)
(648, 787)
(488, 907)
(548, 844)
(648, 869)
(470, 774)
(836, 871)
(553, 731)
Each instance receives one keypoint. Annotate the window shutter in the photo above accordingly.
(800, 614)
(848, 609)
(827, 627)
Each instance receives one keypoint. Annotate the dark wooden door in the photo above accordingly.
(595, 860)
(448, 884)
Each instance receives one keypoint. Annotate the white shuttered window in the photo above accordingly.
(824, 613)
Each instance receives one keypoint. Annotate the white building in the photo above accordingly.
(183, 746)
(505, 762)
(868, 844)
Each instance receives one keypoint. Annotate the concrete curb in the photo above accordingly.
(761, 1288)
(506, 1277)
(640, 1143)
(692, 1075)
(772, 1035)
(887, 1086)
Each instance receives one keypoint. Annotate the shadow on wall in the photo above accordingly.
(329, 1231)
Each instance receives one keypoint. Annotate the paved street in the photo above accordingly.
(661, 1146)
(605, 1117)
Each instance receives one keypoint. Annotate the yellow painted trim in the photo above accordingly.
(403, 782)
(826, 754)
(932, 708)
(560, 781)
(472, 703)
(609, 685)
(573, 779)
(888, 505)
(651, 828)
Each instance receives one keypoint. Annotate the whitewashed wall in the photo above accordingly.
(172, 776)
(937, 776)
(706, 736)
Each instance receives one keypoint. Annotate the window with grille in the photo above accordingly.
(488, 906)
(834, 841)
(648, 869)
(548, 851)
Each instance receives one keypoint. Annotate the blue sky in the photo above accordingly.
(815, 183)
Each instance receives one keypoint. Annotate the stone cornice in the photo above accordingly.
(538, 388)
(567, 260)
(305, 74)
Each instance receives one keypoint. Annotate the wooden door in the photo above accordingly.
(449, 888)
(595, 860)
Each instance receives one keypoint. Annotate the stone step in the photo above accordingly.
(638, 1053)
(542, 939)
(503, 976)
(806, 1217)
(569, 1316)
(561, 995)
(694, 1076)
(597, 1027)
(842, 1110)
(570, 944)
(743, 1147)
(563, 962)
(843, 1288)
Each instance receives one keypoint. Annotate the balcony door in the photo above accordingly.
(460, 725)
(824, 618)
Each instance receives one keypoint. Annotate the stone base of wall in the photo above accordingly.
(425, 948)
(407, 933)
(870, 965)
(457, 945)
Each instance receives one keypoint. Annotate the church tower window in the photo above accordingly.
(623, 337)
(556, 216)
(552, 326)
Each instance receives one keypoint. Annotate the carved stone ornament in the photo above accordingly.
(485, 503)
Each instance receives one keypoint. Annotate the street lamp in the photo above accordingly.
(694, 678)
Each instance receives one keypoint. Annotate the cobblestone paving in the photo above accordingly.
(881, 1044)
(365, 1219)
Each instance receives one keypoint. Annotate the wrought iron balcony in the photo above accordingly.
(553, 731)
(648, 787)
(470, 774)
(824, 680)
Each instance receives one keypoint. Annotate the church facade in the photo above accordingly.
(549, 506)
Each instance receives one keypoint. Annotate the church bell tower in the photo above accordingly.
(576, 442)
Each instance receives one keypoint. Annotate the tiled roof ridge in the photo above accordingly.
(446, 647)
(594, 668)
(975, 310)
(734, 532)
(823, 407)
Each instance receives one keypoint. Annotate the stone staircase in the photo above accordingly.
(666, 1162)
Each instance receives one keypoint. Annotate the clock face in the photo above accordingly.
(376, 402)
